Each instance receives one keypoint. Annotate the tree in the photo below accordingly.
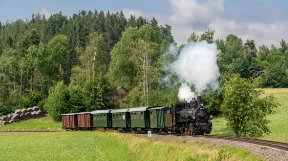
(9, 80)
(135, 61)
(57, 102)
(146, 74)
(121, 69)
(193, 37)
(31, 100)
(96, 57)
(77, 98)
(55, 24)
(212, 101)
(274, 64)
(59, 57)
(244, 109)
(98, 93)
(35, 38)
(208, 36)
(29, 67)
(234, 57)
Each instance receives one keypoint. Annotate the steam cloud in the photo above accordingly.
(185, 93)
(196, 66)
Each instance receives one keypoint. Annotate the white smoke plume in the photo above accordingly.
(185, 93)
(196, 66)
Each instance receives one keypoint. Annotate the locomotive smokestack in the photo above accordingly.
(199, 101)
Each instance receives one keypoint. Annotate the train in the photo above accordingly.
(185, 118)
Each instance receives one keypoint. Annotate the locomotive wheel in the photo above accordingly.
(191, 129)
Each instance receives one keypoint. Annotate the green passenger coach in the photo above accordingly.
(139, 118)
(102, 118)
(160, 118)
(120, 119)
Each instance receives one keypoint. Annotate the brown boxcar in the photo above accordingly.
(69, 121)
(85, 120)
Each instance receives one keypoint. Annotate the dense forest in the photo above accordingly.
(71, 64)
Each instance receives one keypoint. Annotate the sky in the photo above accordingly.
(264, 21)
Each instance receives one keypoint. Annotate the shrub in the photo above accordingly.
(57, 101)
(212, 101)
(31, 99)
(77, 99)
(244, 109)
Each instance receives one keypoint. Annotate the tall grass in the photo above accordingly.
(94, 145)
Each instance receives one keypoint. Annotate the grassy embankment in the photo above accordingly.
(95, 145)
(45, 123)
(278, 120)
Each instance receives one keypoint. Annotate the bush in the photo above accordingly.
(4, 109)
(77, 99)
(244, 109)
(212, 101)
(57, 101)
(31, 99)
(98, 93)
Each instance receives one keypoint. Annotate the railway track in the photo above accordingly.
(267, 143)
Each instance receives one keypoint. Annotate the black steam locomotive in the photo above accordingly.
(191, 118)
(183, 118)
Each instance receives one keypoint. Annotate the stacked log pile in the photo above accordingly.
(23, 114)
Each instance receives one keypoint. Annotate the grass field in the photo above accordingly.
(278, 120)
(95, 145)
(45, 123)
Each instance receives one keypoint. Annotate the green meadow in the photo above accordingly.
(95, 145)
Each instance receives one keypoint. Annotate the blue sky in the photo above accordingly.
(265, 21)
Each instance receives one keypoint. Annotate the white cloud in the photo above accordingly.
(45, 12)
(191, 11)
(128, 12)
(198, 16)
(262, 33)
(192, 16)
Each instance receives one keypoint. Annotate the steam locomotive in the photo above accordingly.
(191, 118)
(183, 118)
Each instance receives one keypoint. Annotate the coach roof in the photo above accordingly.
(156, 108)
(139, 109)
(67, 114)
(119, 110)
(100, 111)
